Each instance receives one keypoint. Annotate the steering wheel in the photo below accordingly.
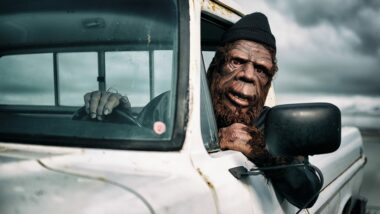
(117, 116)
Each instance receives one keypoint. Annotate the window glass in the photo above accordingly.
(126, 48)
(207, 58)
(163, 66)
(27, 79)
(77, 75)
(208, 123)
(128, 73)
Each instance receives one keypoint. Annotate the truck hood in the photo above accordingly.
(39, 179)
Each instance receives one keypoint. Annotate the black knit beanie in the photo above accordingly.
(254, 27)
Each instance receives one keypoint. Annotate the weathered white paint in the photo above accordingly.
(43, 179)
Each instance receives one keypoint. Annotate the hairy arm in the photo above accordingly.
(297, 184)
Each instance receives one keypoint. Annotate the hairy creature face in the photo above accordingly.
(240, 86)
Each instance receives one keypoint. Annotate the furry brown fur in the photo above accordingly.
(225, 117)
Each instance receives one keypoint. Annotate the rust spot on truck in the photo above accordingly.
(205, 178)
(217, 8)
(212, 188)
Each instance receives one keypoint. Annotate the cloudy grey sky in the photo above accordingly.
(325, 47)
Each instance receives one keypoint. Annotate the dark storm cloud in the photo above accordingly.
(361, 17)
(324, 79)
(325, 47)
(333, 73)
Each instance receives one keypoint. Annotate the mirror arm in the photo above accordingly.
(240, 171)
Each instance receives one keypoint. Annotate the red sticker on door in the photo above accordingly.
(159, 127)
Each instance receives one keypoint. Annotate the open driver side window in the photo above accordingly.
(208, 124)
(211, 31)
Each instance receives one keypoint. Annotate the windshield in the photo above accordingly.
(54, 52)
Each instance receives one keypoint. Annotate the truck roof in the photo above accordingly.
(232, 5)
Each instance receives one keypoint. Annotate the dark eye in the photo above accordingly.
(237, 61)
(262, 70)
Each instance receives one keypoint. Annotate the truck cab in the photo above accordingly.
(53, 52)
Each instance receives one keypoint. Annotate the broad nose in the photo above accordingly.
(249, 72)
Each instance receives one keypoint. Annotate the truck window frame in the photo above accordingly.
(180, 119)
(211, 30)
(209, 128)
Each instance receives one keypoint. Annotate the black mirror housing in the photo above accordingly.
(303, 129)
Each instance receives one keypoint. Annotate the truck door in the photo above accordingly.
(253, 194)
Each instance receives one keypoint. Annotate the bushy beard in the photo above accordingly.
(225, 116)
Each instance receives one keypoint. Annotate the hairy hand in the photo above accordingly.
(101, 103)
(250, 142)
(236, 137)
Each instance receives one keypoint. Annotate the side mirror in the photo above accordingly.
(303, 129)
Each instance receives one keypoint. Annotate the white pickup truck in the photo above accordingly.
(53, 52)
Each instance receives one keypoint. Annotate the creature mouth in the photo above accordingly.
(240, 99)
